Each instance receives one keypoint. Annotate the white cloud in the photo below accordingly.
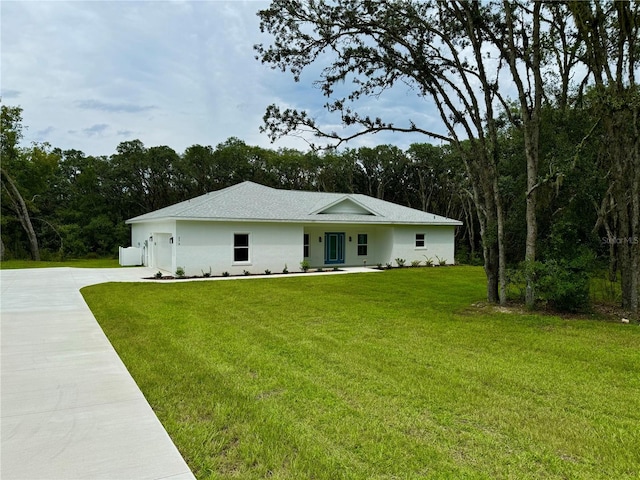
(90, 75)
(94, 130)
(113, 107)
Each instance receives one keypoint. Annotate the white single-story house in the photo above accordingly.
(251, 227)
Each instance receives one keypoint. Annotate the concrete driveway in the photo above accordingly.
(70, 409)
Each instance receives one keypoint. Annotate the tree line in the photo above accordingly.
(62, 203)
(65, 203)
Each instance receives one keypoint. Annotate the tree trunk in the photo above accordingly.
(502, 255)
(23, 214)
(530, 99)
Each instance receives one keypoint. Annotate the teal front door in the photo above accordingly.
(333, 248)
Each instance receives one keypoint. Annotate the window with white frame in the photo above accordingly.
(362, 243)
(420, 242)
(240, 247)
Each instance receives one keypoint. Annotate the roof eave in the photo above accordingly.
(379, 221)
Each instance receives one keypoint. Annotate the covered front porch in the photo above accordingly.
(347, 245)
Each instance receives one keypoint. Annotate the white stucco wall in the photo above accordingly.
(203, 245)
(439, 243)
(154, 241)
(197, 246)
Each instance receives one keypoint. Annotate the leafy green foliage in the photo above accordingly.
(563, 284)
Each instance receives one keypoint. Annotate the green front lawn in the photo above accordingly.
(378, 375)
(77, 263)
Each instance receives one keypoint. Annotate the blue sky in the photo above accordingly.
(92, 74)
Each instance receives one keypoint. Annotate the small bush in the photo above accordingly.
(441, 261)
(158, 274)
(267, 272)
(246, 273)
(285, 269)
(206, 274)
(225, 274)
(180, 272)
(415, 263)
(379, 266)
(400, 262)
(563, 284)
(428, 261)
(567, 289)
(304, 266)
(388, 265)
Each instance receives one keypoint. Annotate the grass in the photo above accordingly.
(379, 375)
(76, 262)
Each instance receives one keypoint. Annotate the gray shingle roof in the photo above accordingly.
(250, 201)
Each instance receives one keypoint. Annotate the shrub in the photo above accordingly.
(246, 273)
(285, 269)
(441, 261)
(428, 261)
(415, 263)
(225, 274)
(158, 274)
(267, 272)
(180, 272)
(566, 288)
(206, 274)
(563, 284)
(304, 266)
(388, 265)
(400, 262)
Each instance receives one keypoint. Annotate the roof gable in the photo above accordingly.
(344, 205)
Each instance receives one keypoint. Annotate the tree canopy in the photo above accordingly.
(477, 64)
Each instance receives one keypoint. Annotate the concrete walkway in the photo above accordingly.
(70, 409)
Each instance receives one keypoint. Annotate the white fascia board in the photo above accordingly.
(316, 220)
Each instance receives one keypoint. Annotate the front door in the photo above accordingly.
(333, 248)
